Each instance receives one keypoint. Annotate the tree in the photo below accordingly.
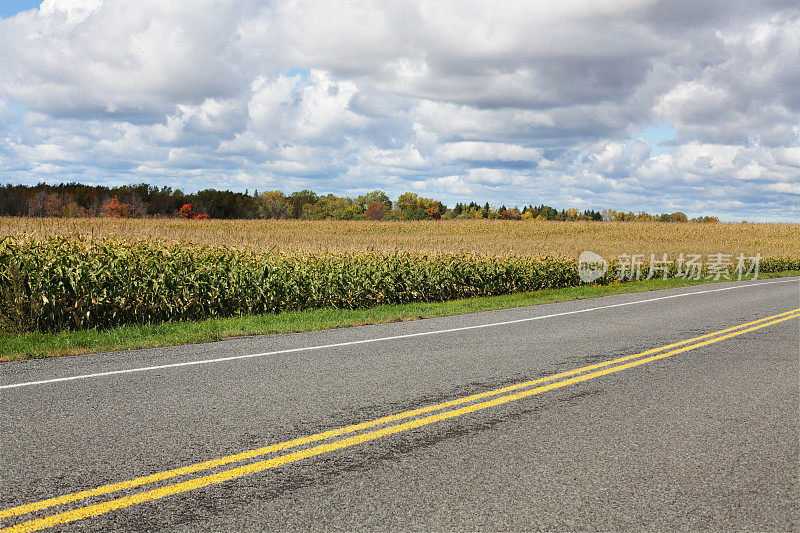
(333, 207)
(376, 210)
(408, 201)
(273, 204)
(73, 210)
(415, 207)
(436, 210)
(162, 201)
(545, 212)
(471, 212)
(300, 198)
(366, 200)
(53, 205)
(224, 204)
(186, 212)
(115, 209)
(36, 204)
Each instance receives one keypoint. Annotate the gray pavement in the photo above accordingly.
(706, 439)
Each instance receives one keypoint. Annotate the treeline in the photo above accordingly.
(78, 200)
(137, 201)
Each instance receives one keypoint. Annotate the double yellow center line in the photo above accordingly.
(447, 410)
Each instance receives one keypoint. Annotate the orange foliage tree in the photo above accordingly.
(186, 212)
(435, 210)
(113, 208)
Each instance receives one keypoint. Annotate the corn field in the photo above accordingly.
(76, 283)
(530, 238)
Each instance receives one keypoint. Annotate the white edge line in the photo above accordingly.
(379, 339)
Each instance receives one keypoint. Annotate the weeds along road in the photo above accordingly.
(663, 410)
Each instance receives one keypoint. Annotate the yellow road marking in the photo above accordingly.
(206, 465)
(169, 490)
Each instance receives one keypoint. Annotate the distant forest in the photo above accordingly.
(138, 201)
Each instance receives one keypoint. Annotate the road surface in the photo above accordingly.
(674, 409)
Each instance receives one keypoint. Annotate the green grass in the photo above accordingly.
(39, 345)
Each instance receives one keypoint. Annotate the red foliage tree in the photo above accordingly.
(186, 212)
(376, 210)
(113, 208)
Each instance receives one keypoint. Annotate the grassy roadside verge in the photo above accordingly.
(39, 345)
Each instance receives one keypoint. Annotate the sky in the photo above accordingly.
(659, 106)
(9, 8)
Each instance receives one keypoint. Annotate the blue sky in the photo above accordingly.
(657, 136)
(618, 105)
(12, 7)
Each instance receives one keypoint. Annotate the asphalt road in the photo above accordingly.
(706, 438)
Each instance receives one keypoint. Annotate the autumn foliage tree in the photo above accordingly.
(114, 208)
(435, 210)
(186, 212)
(376, 210)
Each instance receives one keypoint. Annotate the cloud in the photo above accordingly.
(511, 101)
(485, 151)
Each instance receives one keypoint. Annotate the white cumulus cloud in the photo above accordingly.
(508, 101)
